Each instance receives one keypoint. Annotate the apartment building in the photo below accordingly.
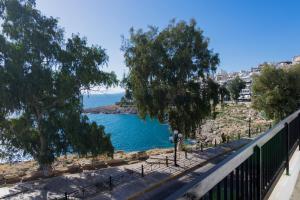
(222, 77)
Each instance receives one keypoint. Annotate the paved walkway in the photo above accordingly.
(127, 181)
(296, 192)
(288, 187)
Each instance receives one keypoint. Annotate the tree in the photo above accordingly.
(41, 78)
(234, 87)
(168, 70)
(127, 99)
(276, 91)
(294, 80)
(213, 93)
(223, 92)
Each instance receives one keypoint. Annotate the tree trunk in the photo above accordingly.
(44, 163)
(44, 159)
(214, 112)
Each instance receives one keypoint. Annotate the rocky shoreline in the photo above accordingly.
(111, 109)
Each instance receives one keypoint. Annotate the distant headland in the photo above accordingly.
(111, 109)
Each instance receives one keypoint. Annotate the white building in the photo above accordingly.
(222, 77)
(283, 64)
(245, 94)
(296, 60)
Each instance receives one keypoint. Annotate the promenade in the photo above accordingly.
(128, 181)
(296, 191)
(288, 186)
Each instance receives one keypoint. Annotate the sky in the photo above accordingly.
(245, 33)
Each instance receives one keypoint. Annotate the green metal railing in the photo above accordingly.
(253, 171)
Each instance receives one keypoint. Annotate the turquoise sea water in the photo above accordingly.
(128, 132)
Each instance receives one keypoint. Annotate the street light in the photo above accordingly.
(174, 139)
(249, 127)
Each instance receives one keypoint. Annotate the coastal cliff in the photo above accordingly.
(111, 109)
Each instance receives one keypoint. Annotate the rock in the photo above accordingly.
(116, 162)
(99, 164)
(133, 162)
(2, 180)
(21, 173)
(61, 170)
(74, 169)
(132, 156)
(120, 152)
(33, 176)
(12, 178)
(87, 166)
(169, 151)
(142, 155)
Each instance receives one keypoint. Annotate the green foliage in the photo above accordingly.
(276, 92)
(234, 87)
(223, 92)
(41, 78)
(168, 73)
(127, 99)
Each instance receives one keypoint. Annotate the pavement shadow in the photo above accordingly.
(167, 189)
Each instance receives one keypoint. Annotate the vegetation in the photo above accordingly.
(127, 99)
(232, 122)
(234, 87)
(223, 92)
(276, 91)
(41, 77)
(168, 72)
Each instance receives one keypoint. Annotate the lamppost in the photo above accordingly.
(249, 127)
(174, 139)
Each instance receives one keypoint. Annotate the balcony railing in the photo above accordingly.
(253, 171)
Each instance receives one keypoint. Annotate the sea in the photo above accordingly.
(128, 132)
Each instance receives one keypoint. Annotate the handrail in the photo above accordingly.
(216, 174)
(273, 131)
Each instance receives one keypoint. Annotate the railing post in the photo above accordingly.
(258, 169)
(175, 153)
(66, 196)
(287, 167)
(167, 162)
(83, 191)
(201, 147)
(110, 183)
(142, 171)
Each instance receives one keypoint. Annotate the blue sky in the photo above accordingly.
(244, 33)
